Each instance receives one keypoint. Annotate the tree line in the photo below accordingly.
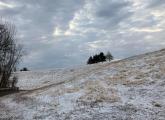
(101, 57)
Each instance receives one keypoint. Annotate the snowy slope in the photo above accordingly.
(129, 89)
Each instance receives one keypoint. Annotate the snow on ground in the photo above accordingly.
(129, 89)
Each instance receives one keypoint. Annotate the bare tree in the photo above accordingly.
(109, 56)
(10, 53)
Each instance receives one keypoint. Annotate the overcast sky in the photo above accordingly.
(62, 33)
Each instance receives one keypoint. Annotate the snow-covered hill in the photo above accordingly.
(129, 89)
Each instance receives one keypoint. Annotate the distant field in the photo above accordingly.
(129, 89)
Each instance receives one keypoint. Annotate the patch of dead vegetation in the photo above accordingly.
(114, 80)
(23, 99)
(97, 93)
(72, 90)
(123, 78)
(134, 82)
(124, 81)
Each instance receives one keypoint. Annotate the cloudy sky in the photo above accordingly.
(60, 33)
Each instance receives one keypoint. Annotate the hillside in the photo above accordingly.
(129, 89)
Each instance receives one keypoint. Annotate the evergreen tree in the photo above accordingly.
(96, 58)
(102, 57)
(24, 69)
(90, 60)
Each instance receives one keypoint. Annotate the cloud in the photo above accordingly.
(156, 3)
(60, 33)
(4, 5)
(151, 30)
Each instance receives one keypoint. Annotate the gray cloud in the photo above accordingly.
(111, 8)
(60, 33)
(156, 3)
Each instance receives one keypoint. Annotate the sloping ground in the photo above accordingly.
(129, 89)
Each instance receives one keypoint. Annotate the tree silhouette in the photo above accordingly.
(24, 69)
(97, 58)
(102, 57)
(109, 56)
(90, 60)
(10, 53)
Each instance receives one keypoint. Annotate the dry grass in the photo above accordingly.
(72, 90)
(134, 82)
(23, 99)
(96, 93)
